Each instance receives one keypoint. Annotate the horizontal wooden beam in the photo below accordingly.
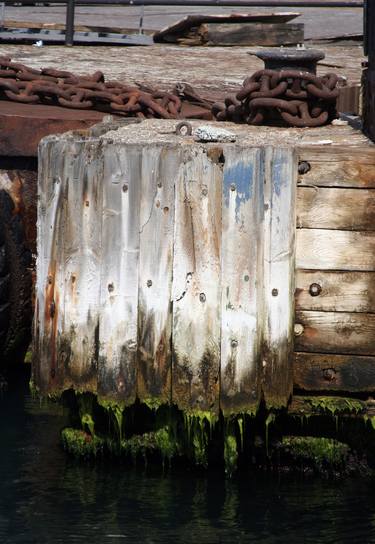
(335, 332)
(330, 372)
(254, 34)
(344, 166)
(335, 291)
(331, 208)
(320, 249)
(331, 406)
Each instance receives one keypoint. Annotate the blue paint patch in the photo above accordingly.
(278, 179)
(241, 176)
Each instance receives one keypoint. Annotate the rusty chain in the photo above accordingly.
(49, 86)
(292, 97)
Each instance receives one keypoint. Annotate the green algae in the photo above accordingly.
(147, 444)
(81, 444)
(230, 454)
(116, 411)
(317, 452)
(334, 405)
(199, 426)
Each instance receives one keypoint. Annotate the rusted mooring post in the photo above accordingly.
(166, 268)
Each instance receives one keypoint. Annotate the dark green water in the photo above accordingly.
(47, 498)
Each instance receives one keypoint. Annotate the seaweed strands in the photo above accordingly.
(288, 97)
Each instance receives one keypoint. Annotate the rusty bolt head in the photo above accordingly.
(234, 343)
(149, 283)
(111, 287)
(315, 289)
(275, 292)
(303, 167)
(329, 374)
(125, 188)
(232, 186)
(202, 297)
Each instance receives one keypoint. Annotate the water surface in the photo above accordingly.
(46, 497)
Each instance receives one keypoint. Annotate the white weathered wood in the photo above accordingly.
(119, 272)
(331, 208)
(49, 303)
(196, 283)
(340, 291)
(160, 168)
(241, 278)
(279, 259)
(321, 249)
(81, 250)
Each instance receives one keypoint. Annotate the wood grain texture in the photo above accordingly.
(329, 372)
(242, 285)
(279, 269)
(330, 208)
(196, 283)
(254, 34)
(119, 273)
(340, 291)
(339, 166)
(160, 168)
(336, 332)
(320, 249)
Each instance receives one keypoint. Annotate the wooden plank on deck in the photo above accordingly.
(160, 167)
(242, 273)
(335, 332)
(335, 291)
(119, 272)
(330, 208)
(196, 283)
(320, 249)
(331, 372)
(279, 268)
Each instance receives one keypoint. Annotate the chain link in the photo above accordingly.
(295, 97)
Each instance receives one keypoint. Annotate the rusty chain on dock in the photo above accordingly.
(295, 97)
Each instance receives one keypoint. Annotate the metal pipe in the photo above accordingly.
(69, 27)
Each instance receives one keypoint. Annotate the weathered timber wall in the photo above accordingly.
(166, 271)
(335, 276)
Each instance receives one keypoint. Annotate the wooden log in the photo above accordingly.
(118, 333)
(335, 332)
(254, 34)
(320, 249)
(242, 289)
(329, 208)
(196, 283)
(159, 171)
(339, 166)
(279, 269)
(335, 291)
(331, 372)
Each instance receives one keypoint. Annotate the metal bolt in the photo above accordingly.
(232, 186)
(149, 283)
(87, 203)
(275, 292)
(111, 287)
(298, 329)
(246, 277)
(234, 343)
(329, 374)
(202, 297)
(315, 289)
(165, 209)
(304, 167)
(125, 188)
(184, 129)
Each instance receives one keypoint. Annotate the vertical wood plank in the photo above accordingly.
(242, 273)
(160, 168)
(81, 248)
(279, 265)
(119, 272)
(49, 303)
(196, 283)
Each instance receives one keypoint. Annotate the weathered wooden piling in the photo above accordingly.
(169, 269)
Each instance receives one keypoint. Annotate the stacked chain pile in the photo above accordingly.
(56, 87)
(292, 97)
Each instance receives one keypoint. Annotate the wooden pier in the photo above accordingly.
(208, 275)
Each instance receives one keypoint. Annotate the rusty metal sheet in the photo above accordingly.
(22, 126)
